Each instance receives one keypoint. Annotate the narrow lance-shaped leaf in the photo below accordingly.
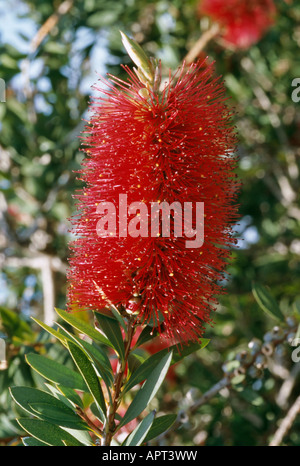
(148, 390)
(60, 417)
(142, 372)
(14, 325)
(112, 312)
(138, 56)
(70, 399)
(33, 442)
(83, 327)
(266, 301)
(45, 406)
(88, 373)
(57, 334)
(48, 433)
(112, 331)
(148, 333)
(66, 393)
(138, 435)
(160, 425)
(97, 354)
(55, 372)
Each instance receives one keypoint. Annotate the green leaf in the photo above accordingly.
(192, 347)
(83, 436)
(111, 329)
(55, 372)
(61, 417)
(145, 369)
(116, 314)
(23, 396)
(138, 56)
(57, 393)
(83, 327)
(148, 333)
(52, 331)
(90, 376)
(45, 406)
(14, 325)
(103, 18)
(18, 108)
(297, 335)
(102, 364)
(98, 356)
(134, 361)
(266, 302)
(138, 435)
(55, 48)
(154, 321)
(148, 390)
(48, 433)
(33, 442)
(8, 426)
(112, 312)
(71, 395)
(296, 306)
(160, 425)
(142, 372)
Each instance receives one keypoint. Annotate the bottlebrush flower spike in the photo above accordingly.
(146, 149)
(243, 22)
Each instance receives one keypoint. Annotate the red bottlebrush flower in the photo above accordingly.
(243, 22)
(145, 147)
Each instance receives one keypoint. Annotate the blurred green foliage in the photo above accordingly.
(47, 95)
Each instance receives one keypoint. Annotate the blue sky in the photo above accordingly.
(14, 22)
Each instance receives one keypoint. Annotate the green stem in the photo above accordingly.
(110, 426)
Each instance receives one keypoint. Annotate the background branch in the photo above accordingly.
(201, 43)
(286, 423)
